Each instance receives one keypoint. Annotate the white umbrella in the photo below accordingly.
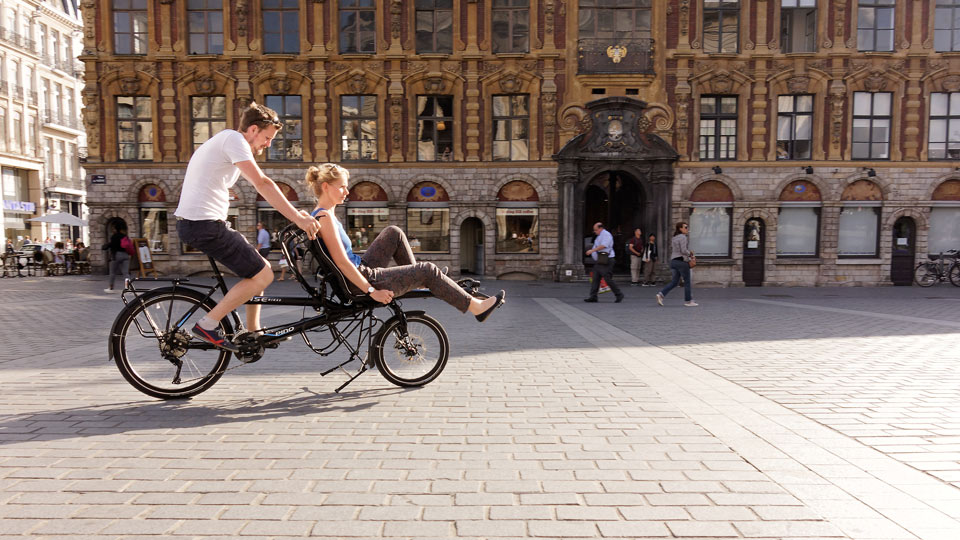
(63, 219)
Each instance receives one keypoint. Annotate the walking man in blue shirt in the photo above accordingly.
(602, 253)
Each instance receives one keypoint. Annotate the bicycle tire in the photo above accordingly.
(954, 274)
(413, 359)
(139, 353)
(925, 275)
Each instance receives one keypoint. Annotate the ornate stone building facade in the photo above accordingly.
(807, 141)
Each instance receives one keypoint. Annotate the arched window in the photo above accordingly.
(272, 219)
(859, 228)
(798, 227)
(710, 221)
(945, 218)
(428, 218)
(153, 216)
(518, 218)
(367, 214)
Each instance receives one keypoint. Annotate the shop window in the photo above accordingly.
(511, 127)
(358, 26)
(798, 225)
(875, 25)
(798, 25)
(511, 26)
(205, 22)
(434, 26)
(945, 218)
(129, 27)
(794, 126)
(944, 125)
(281, 27)
(946, 36)
(518, 218)
(135, 128)
(871, 125)
(435, 128)
(721, 26)
(428, 218)
(358, 127)
(710, 220)
(718, 127)
(208, 116)
(859, 227)
(288, 144)
(367, 214)
(153, 216)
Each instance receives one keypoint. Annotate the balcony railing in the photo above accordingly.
(56, 118)
(16, 91)
(611, 55)
(4, 88)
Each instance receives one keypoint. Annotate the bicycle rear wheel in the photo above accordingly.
(411, 357)
(155, 351)
(955, 274)
(926, 274)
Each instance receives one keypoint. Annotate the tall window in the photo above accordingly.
(944, 126)
(946, 37)
(205, 18)
(281, 26)
(134, 128)
(208, 116)
(428, 218)
(511, 26)
(435, 128)
(288, 144)
(17, 132)
(871, 125)
(875, 25)
(518, 218)
(798, 25)
(858, 231)
(794, 127)
(358, 128)
(129, 28)
(358, 26)
(718, 127)
(367, 214)
(721, 26)
(710, 219)
(511, 127)
(609, 19)
(434, 26)
(153, 216)
(798, 225)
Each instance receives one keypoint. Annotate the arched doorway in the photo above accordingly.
(471, 246)
(903, 252)
(616, 199)
(754, 239)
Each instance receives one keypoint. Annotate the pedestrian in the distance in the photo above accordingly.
(649, 259)
(263, 240)
(602, 253)
(635, 247)
(680, 256)
(119, 256)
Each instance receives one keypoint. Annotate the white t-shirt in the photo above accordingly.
(210, 175)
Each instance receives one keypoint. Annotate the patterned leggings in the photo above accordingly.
(392, 243)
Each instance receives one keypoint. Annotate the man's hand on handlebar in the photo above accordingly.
(310, 225)
(383, 296)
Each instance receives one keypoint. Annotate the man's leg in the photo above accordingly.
(239, 294)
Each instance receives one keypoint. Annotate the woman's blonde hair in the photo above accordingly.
(322, 174)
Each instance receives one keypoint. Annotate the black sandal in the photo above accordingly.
(500, 299)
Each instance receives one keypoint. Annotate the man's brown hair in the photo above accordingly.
(260, 116)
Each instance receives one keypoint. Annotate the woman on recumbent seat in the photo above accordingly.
(370, 272)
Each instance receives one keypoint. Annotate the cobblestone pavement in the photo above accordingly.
(764, 414)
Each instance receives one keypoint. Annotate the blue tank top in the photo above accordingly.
(344, 238)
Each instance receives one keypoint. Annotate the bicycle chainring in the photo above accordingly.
(251, 349)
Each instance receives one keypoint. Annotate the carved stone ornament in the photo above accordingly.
(396, 9)
(486, 68)
(722, 83)
(875, 82)
(684, 16)
(260, 68)
(130, 85)
(358, 83)
(434, 85)
(205, 84)
(838, 97)
(148, 67)
(951, 83)
(300, 67)
(452, 67)
(242, 102)
(616, 53)
(510, 83)
(242, 11)
(281, 85)
(548, 12)
(798, 84)
(166, 2)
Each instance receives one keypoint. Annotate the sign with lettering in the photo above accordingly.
(144, 257)
(19, 206)
(379, 212)
(516, 211)
(98, 179)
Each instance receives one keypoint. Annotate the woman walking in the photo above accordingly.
(119, 258)
(680, 256)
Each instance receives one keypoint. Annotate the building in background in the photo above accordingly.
(41, 137)
(806, 141)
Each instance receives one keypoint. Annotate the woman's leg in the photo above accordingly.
(675, 273)
(391, 243)
(687, 287)
(403, 279)
(125, 267)
(114, 269)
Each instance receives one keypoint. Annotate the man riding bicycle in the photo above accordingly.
(202, 214)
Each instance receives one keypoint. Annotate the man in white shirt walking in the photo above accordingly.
(202, 214)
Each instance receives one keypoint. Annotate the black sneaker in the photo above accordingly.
(215, 337)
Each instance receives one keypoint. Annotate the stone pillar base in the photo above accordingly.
(570, 272)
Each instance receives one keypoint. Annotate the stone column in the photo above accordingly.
(570, 267)
(662, 181)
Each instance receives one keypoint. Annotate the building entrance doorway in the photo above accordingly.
(616, 199)
(754, 237)
(903, 252)
(471, 247)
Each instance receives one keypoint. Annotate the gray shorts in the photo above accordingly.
(228, 247)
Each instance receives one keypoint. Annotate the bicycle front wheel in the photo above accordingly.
(413, 356)
(925, 274)
(155, 351)
(955, 274)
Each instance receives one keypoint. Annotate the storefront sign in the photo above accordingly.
(98, 179)
(19, 206)
(379, 212)
(517, 211)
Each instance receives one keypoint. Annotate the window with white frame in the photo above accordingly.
(944, 232)
(511, 127)
(434, 128)
(208, 116)
(875, 25)
(794, 126)
(946, 35)
(358, 128)
(798, 229)
(718, 127)
(798, 26)
(859, 230)
(134, 128)
(872, 112)
(944, 140)
(288, 144)
(710, 229)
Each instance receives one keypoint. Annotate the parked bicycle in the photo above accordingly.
(935, 270)
(154, 350)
